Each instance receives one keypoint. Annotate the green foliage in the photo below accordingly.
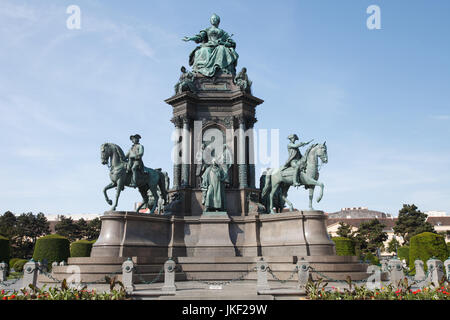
(12, 262)
(369, 237)
(425, 246)
(4, 249)
(18, 265)
(393, 245)
(64, 293)
(371, 259)
(318, 291)
(77, 230)
(403, 253)
(53, 247)
(23, 231)
(81, 248)
(344, 246)
(411, 222)
(344, 230)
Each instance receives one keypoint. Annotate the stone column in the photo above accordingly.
(178, 123)
(169, 276)
(435, 270)
(251, 150)
(396, 273)
(303, 274)
(186, 153)
(30, 273)
(243, 183)
(3, 271)
(447, 268)
(420, 273)
(262, 283)
(127, 275)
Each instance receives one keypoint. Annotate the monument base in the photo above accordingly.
(296, 233)
(214, 236)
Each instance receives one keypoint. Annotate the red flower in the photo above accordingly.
(3, 291)
(5, 298)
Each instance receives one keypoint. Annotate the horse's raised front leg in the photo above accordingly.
(312, 182)
(109, 186)
(118, 190)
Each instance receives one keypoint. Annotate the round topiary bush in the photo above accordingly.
(425, 246)
(18, 265)
(344, 246)
(12, 262)
(53, 248)
(403, 253)
(81, 248)
(4, 249)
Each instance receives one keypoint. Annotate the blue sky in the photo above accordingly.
(380, 98)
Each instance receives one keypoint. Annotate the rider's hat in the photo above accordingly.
(135, 136)
(293, 136)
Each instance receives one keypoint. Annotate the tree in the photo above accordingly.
(93, 230)
(67, 228)
(393, 245)
(370, 236)
(23, 231)
(411, 222)
(8, 224)
(345, 230)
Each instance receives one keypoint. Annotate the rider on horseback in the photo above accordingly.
(295, 159)
(134, 158)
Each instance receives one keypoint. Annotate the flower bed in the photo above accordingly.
(62, 293)
(317, 291)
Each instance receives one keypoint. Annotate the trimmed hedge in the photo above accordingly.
(81, 248)
(425, 246)
(372, 259)
(344, 246)
(4, 249)
(12, 262)
(18, 265)
(53, 248)
(403, 253)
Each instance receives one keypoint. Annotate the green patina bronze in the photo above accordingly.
(213, 187)
(129, 171)
(186, 82)
(216, 51)
(307, 175)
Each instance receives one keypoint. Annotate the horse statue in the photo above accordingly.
(282, 179)
(147, 181)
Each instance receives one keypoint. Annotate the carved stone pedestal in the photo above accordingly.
(214, 236)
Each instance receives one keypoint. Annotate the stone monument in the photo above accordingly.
(216, 222)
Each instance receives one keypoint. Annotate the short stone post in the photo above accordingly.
(169, 276)
(55, 264)
(396, 273)
(30, 273)
(374, 280)
(42, 266)
(384, 266)
(62, 263)
(435, 270)
(303, 274)
(262, 283)
(447, 268)
(420, 273)
(127, 275)
(3, 271)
